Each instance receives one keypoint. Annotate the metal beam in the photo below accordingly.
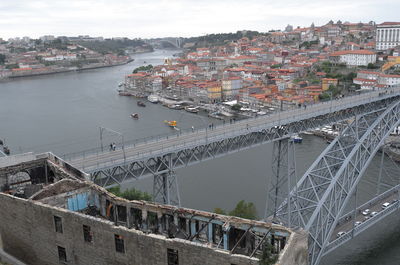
(322, 193)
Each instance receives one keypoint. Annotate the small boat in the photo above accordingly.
(141, 104)
(135, 116)
(153, 98)
(296, 139)
(175, 106)
(6, 150)
(121, 84)
(124, 93)
(192, 109)
(171, 124)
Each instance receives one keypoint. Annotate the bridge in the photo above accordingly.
(159, 42)
(316, 203)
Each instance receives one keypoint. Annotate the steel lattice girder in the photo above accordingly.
(283, 175)
(320, 196)
(165, 189)
(158, 163)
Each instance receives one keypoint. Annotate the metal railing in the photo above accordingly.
(394, 206)
(188, 138)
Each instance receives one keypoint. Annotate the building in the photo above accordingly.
(389, 80)
(353, 57)
(143, 83)
(387, 35)
(52, 214)
(231, 87)
(327, 82)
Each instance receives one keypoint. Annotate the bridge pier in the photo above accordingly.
(283, 175)
(165, 187)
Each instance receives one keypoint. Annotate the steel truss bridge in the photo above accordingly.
(315, 203)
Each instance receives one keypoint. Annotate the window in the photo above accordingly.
(87, 234)
(119, 244)
(62, 254)
(58, 224)
(172, 257)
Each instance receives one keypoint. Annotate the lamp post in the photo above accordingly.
(202, 119)
(330, 98)
(102, 129)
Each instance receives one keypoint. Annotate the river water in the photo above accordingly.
(62, 113)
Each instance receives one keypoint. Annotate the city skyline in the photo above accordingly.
(178, 18)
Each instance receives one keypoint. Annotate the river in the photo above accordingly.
(62, 113)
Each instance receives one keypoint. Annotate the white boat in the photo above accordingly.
(192, 109)
(153, 98)
(296, 139)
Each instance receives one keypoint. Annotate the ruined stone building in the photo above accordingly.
(51, 214)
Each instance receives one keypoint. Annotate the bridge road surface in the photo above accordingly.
(375, 206)
(152, 148)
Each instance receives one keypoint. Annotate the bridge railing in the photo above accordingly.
(363, 226)
(255, 124)
(369, 203)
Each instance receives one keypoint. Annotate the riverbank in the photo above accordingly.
(62, 70)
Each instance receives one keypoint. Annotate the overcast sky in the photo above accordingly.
(162, 18)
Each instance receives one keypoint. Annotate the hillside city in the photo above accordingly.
(274, 69)
(74, 206)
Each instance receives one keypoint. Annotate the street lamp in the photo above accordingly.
(202, 119)
(330, 97)
(102, 129)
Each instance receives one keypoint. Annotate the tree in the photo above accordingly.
(276, 66)
(219, 211)
(236, 107)
(131, 194)
(245, 210)
(143, 69)
(267, 258)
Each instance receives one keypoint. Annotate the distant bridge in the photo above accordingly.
(175, 42)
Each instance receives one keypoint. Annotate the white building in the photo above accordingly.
(387, 35)
(353, 58)
(389, 80)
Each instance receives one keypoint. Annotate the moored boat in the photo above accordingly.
(124, 93)
(141, 104)
(296, 139)
(153, 98)
(192, 109)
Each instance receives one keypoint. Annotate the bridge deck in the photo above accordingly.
(347, 222)
(171, 144)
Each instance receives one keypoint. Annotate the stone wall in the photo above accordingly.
(28, 232)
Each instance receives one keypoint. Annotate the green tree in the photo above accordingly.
(245, 210)
(276, 66)
(236, 107)
(131, 194)
(267, 258)
(219, 211)
(143, 69)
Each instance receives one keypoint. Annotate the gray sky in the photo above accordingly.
(162, 18)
